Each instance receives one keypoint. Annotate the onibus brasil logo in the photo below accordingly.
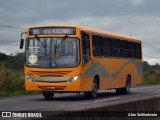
(22, 114)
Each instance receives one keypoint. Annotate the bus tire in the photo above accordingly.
(48, 95)
(92, 94)
(126, 89)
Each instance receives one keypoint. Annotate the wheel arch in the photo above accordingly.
(98, 80)
(129, 75)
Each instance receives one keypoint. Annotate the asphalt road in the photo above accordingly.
(69, 102)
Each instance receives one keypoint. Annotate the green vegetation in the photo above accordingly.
(12, 81)
(151, 74)
(11, 75)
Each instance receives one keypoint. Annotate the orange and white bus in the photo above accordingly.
(66, 58)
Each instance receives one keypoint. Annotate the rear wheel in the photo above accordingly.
(126, 89)
(92, 94)
(48, 95)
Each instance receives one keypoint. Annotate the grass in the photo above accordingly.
(11, 81)
(17, 92)
(150, 82)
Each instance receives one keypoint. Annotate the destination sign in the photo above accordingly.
(51, 30)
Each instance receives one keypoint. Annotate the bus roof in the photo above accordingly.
(94, 31)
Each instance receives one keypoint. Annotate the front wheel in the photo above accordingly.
(126, 89)
(48, 95)
(92, 94)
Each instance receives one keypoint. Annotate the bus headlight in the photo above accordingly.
(74, 78)
(29, 78)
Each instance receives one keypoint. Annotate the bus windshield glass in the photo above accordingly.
(52, 52)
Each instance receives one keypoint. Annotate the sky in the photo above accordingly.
(140, 18)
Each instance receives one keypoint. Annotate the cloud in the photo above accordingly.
(137, 2)
(31, 12)
(140, 18)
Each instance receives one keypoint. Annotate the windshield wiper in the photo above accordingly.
(57, 46)
(62, 41)
(44, 45)
(64, 38)
(36, 36)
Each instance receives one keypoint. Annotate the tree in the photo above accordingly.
(3, 57)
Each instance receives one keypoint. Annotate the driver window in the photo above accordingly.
(85, 47)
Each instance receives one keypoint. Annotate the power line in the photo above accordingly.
(151, 46)
(13, 50)
(10, 30)
(12, 27)
(151, 57)
(9, 43)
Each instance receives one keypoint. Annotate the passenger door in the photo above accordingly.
(86, 56)
(86, 60)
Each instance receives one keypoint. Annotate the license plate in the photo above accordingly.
(51, 88)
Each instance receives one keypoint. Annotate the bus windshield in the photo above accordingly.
(52, 52)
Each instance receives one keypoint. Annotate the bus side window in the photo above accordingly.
(116, 51)
(97, 46)
(131, 49)
(107, 46)
(124, 49)
(85, 47)
(138, 51)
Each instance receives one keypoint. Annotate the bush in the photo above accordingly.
(10, 80)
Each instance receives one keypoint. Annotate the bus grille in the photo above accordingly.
(50, 73)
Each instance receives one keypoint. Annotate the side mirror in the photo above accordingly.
(22, 40)
(21, 43)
